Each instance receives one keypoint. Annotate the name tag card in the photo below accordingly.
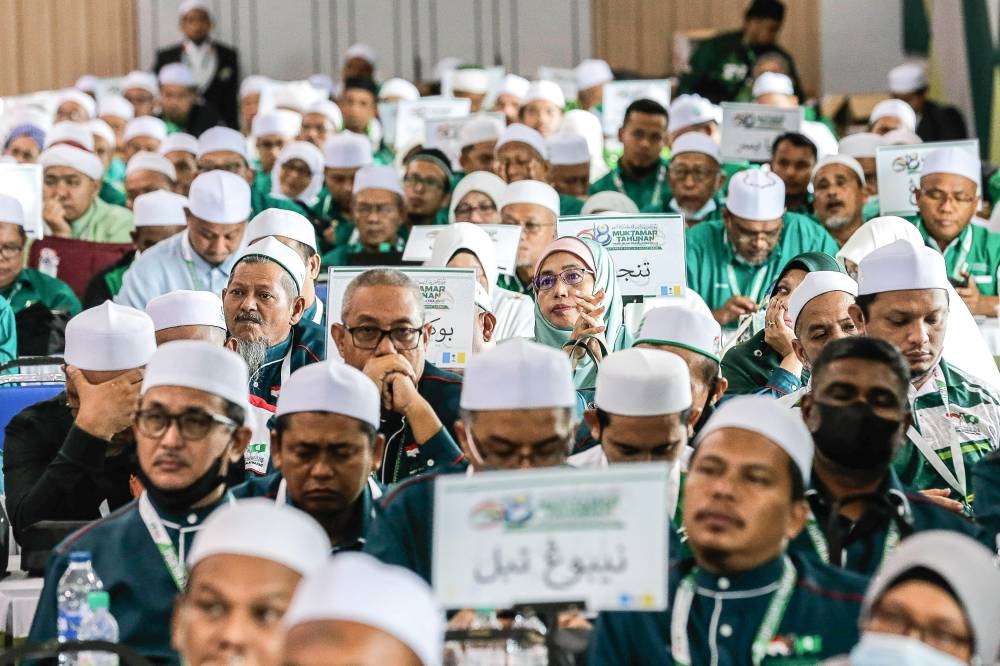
(24, 183)
(648, 250)
(554, 535)
(444, 134)
(449, 303)
(898, 169)
(619, 94)
(506, 237)
(748, 130)
(411, 116)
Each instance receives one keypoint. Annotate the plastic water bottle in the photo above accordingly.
(530, 651)
(48, 262)
(74, 586)
(485, 652)
(98, 625)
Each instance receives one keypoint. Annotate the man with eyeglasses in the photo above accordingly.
(535, 207)
(426, 187)
(947, 200)
(140, 89)
(695, 176)
(731, 262)
(641, 174)
(189, 431)
(385, 334)
(379, 211)
(518, 412)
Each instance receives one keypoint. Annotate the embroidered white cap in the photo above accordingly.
(222, 139)
(592, 72)
(159, 209)
(682, 327)
(953, 161)
(281, 222)
(755, 194)
(198, 365)
(697, 142)
(518, 374)
(65, 155)
(817, 283)
(900, 266)
(896, 108)
(186, 307)
(280, 121)
(333, 387)
(531, 192)
(377, 178)
(518, 133)
(145, 126)
(147, 161)
(274, 250)
(643, 382)
(347, 150)
(219, 197)
(545, 91)
(110, 337)
(568, 149)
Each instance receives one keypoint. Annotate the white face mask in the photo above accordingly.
(889, 650)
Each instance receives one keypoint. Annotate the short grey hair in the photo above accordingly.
(382, 277)
(287, 283)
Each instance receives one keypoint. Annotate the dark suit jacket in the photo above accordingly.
(223, 91)
(941, 123)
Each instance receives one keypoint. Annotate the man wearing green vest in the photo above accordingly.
(378, 209)
(426, 187)
(641, 174)
(344, 154)
(696, 178)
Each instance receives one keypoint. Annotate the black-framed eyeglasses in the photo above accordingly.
(10, 251)
(414, 180)
(896, 621)
(484, 208)
(570, 276)
(193, 424)
(403, 338)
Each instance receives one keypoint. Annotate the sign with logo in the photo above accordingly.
(506, 237)
(748, 130)
(619, 94)
(647, 250)
(24, 183)
(449, 305)
(899, 168)
(412, 116)
(445, 134)
(554, 535)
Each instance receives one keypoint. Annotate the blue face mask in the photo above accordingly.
(889, 650)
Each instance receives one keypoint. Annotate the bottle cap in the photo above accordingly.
(98, 600)
(79, 556)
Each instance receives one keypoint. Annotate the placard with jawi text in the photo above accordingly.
(505, 237)
(411, 116)
(647, 250)
(556, 535)
(748, 130)
(898, 169)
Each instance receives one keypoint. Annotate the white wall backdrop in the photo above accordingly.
(291, 39)
(861, 40)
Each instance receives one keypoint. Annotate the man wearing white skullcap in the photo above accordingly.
(358, 611)
(397, 89)
(188, 315)
(730, 262)
(903, 298)
(344, 153)
(839, 195)
(326, 445)
(143, 133)
(471, 83)
(891, 114)
(202, 256)
(181, 108)
(69, 458)
(774, 89)
(241, 584)
(640, 174)
(508, 96)
(321, 121)
(591, 75)
(116, 111)
(693, 113)
(140, 89)
(522, 154)
(744, 499)
(535, 207)
(542, 107)
(105, 145)
(147, 172)
(861, 146)
(359, 60)
(947, 200)
(935, 122)
(569, 159)
(189, 431)
(478, 138)
(379, 210)
(225, 149)
(74, 105)
(181, 149)
(695, 176)
(518, 411)
(263, 307)
(272, 132)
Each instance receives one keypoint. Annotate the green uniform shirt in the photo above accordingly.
(347, 255)
(567, 206)
(103, 223)
(755, 367)
(111, 194)
(652, 190)
(306, 344)
(261, 182)
(32, 286)
(260, 200)
(976, 250)
(8, 332)
(330, 212)
(986, 486)
(721, 66)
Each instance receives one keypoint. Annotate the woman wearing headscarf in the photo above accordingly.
(477, 198)
(24, 143)
(465, 245)
(577, 304)
(297, 175)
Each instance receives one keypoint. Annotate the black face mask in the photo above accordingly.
(183, 498)
(853, 436)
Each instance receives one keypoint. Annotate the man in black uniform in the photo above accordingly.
(935, 122)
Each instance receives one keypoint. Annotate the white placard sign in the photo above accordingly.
(748, 130)
(505, 238)
(898, 169)
(449, 303)
(564, 77)
(411, 116)
(553, 535)
(24, 183)
(387, 118)
(648, 250)
(619, 94)
(444, 134)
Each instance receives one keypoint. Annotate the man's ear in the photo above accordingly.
(339, 335)
(378, 450)
(276, 449)
(489, 325)
(239, 443)
(800, 352)
(797, 517)
(590, 418)
(315, 264)
(298, 309)
(720, 389)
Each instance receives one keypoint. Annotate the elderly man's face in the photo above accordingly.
(176, 101)
(257, 305)
(838, 197)
(694, 179)
(377, 215)
(538, 229)
(517, 438)
(23, 149)
(518, 161)
(144, 182)
(753, 240)
(425, 187)
(343, 643)
(824, 319)
(74, 191)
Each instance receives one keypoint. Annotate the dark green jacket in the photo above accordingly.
(755, 367)
(308, 345)
(651, 191)
(567, 206)
(986, 488)
(32, 286)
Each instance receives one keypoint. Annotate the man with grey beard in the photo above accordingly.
(838, 195)
(263, 306)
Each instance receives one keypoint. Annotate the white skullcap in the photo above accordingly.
(100, 128)
(110, 337)
(861, 144)
(186, 307)
(397, 87)
(479, 128)
(954, 161)
(901, 266)
(274, 250)
(347, 150)
(842, 160)
(200, 365)
(253, 85)
(472, 80)
(907, 78)
(355, 587)
(296, 96)
(518, 374)
(609, 201)
(773, 83)
(191, 5)
(968, 568)
(531, 192)
(78, 97)
(328, 110)
(682, 327)
(281, 222)
(145, 126)
(769, 419)
(281, 122)
(817, 283)
(518, 133)
(688, 111)
(377, 178)
(362, 51)
(219, 197)
(159, 209)
(471, 238)
(11, 211)
(568, 149)
(513, 85)
(115, 105)
(445, 64)
(643, 382)
(486, 182)
(70, 132)
(482, 299)
(591, 73)
(896, 108)
(875, 233)
(294, 538)
(900, 137)
(65, 155)
(86, 83)
(697, 142)
(755, 194)
(179, 141)
(546, 91)
(322, 82)
(821, 137)
(219, 139)
(333, 387)
(147, 161)
(141, 80)
(176, 74)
